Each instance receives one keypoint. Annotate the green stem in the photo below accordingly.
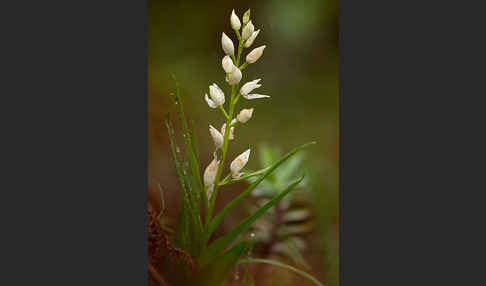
(240, 49)
(243, 66)
(226, 179)
(224, 150)
(229, 117)
(244, 177)
(224, 111)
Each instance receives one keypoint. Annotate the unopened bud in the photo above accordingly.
(235, 21)
(246, 17)
(210, 102)
(251, 39)
(227, 63)
(238, 163)
(234, 76)
(217, 137)
(254, 55)
(245, 115)
(210, 172)
(247, 31)
(227, 45)
(217, 95)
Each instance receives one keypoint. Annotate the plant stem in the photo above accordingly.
(243, 66)
(224, 111)
(224, 148)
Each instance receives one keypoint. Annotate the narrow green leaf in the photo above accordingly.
(188, 136)
(289, 168)
(218, 270)
(222, 242)
(244, 177)
(189, 227)
(283, 265)
(219, 217)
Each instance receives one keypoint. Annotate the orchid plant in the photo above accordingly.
(215, 258)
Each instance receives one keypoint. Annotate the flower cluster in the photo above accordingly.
(216, 99)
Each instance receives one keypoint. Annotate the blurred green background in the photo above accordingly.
(299, 70)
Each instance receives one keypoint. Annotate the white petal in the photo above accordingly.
(209, 101)
(245, 115)
(235, 76)
(217, 136)
(247, 30)
(251, 39)
(209, 191)
(235, 21)
(249, 86)
(227, 64)
(255, 96)
(238, 163)
(227, 45)
(210, 172)
(216, 94)
(255, 54)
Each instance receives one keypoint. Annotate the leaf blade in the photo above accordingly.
(283, 265)
(213, 249)
(215, 272)
(219, 217)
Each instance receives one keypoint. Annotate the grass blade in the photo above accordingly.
(188, 136)
(219, 217)
(217, 271)
(283, 265)
(222, 242)
(189, 221)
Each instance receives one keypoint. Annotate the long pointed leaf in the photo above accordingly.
(214, 273)
(283, 265)
(219, 217)
(188, 136)
(222, 242)
(189, 222)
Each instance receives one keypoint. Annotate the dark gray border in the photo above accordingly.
(74, 143)
(411, 129)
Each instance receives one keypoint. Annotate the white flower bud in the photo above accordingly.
(227, 64)
(254, 55)
(234, 76)
(239, 163)
(217, 95)
(251, 39)
(209, 191)
(255, 96)
(249, 86)
(235, 21)
(217, 137)
(247, 31)
(232, 131)
(210, 102)
(227, 45)
(210, 172)
(245, 115)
